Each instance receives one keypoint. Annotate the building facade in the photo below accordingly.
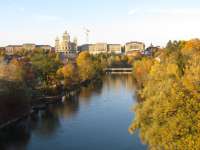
(134, 47)
(94, 48)
(11, 49)
(114, 48)
(29, 46)
(99, 48)
(65, 45)
(45, 47)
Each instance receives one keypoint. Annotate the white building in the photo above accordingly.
(98, 48)
(65, 45)
(114, 48)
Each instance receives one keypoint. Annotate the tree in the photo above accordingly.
(141, 69)
(12, 71)
(44, 66)
(69, 74)
(168, 116)
(85, 66)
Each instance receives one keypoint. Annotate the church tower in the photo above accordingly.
(66, 42)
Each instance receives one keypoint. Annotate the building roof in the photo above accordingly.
(29, 44)
(14, 46)
(114, 44)
(135, 42)
(44, 45)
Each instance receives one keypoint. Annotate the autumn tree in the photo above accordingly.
(68, 74)
(141, 69)
(85, 66)
(168, 117)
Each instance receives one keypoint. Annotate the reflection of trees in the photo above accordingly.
(125, 81)
(88, 91)
(46, 123)
(69, 108)
(15, 137)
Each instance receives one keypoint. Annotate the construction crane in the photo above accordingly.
(87, 31)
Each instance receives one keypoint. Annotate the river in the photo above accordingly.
(95, 119)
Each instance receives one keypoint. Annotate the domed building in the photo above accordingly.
(65, 45)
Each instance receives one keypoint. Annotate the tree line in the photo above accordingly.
(168, 112)
(44, 71)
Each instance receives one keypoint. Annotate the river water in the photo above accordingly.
(95, 119)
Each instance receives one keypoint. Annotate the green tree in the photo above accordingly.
(44, 66)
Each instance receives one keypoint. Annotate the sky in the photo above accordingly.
(111, 21)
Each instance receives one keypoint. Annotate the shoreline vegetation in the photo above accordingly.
(32, 80)
(168, 87)
(168, 111)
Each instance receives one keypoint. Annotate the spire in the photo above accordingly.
(65, 33)
(66, 37)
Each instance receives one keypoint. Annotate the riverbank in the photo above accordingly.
(42, 102)
(96, 118)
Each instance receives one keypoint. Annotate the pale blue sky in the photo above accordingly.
(113, 21)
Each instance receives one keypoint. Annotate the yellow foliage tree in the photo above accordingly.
(169, 116)
(85, 66)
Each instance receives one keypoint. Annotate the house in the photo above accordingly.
(149, 51)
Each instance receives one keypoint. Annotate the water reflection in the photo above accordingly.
(15, 138)
(91, 90)
(70, 125)
(47, 123)
(10, 107)
(113, 81)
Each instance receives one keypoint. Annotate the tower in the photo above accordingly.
(66, 42)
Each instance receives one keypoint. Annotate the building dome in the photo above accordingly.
(65, 33)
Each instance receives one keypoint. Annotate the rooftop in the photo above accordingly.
(135, 42)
